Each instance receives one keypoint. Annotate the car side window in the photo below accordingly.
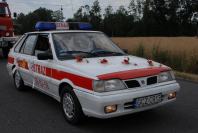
(29, 45)
(19, 45)
(42, 45)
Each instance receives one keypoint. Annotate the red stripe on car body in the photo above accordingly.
(130, 74)
(77, 80)
(80, 81)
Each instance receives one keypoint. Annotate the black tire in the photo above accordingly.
(20, 85)
(78, 114)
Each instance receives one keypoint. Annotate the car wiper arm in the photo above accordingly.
(75, 52)
(107, 52)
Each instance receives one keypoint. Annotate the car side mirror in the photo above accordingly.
(44, 56)
(125, 50)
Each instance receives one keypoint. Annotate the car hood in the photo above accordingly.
(116, 65)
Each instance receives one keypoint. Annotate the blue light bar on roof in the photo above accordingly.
(42, 26)
(46, 26)
(85, 26)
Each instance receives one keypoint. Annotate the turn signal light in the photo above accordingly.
(172, 95)
(110, 108)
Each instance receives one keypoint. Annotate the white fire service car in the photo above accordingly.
(88, 74)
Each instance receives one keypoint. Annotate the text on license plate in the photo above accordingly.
(146, 101)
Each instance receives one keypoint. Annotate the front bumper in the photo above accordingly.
(93, 104)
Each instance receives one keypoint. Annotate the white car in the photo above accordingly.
(88, 74)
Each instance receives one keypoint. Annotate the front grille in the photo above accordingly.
(152, 80)
(132, 83)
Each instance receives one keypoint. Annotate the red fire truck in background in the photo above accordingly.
(7, 38)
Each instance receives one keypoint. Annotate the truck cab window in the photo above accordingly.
(4, 11)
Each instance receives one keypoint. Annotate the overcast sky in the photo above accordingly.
(69, 6)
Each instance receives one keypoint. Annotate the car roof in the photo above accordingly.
(63, 31)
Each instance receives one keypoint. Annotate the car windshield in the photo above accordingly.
(88, 44)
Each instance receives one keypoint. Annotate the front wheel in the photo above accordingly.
(70, 106)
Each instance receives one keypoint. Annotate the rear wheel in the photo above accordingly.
(71, 106)
(18, 82)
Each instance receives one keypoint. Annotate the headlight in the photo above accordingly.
(166, 76)
(108, 85)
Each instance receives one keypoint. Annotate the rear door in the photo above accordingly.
(25, 59)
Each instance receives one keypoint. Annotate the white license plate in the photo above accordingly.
(147, 101)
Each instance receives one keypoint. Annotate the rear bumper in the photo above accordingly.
(93, 105)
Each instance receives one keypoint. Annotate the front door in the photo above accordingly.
(42, 68)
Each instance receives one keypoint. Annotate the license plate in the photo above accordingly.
(147, 101)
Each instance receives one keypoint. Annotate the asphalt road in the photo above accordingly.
(34, 112)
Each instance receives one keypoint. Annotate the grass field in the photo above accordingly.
(181, 53)
(178, 45)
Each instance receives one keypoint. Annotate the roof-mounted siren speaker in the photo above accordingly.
(3, 0)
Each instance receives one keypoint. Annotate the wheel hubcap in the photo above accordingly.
(17, 79)
(68, 105)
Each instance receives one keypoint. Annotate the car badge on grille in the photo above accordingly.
(143, 82)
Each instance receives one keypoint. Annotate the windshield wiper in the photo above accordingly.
(98, 52)
(74, 52)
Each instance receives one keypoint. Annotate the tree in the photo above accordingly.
(141, 18)
(184, 14)
(95, 15)
(123, 22)
(135, 8)
(108, 22)
(82, 14)
(58, 16)
(27, 22)
(132, 8)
